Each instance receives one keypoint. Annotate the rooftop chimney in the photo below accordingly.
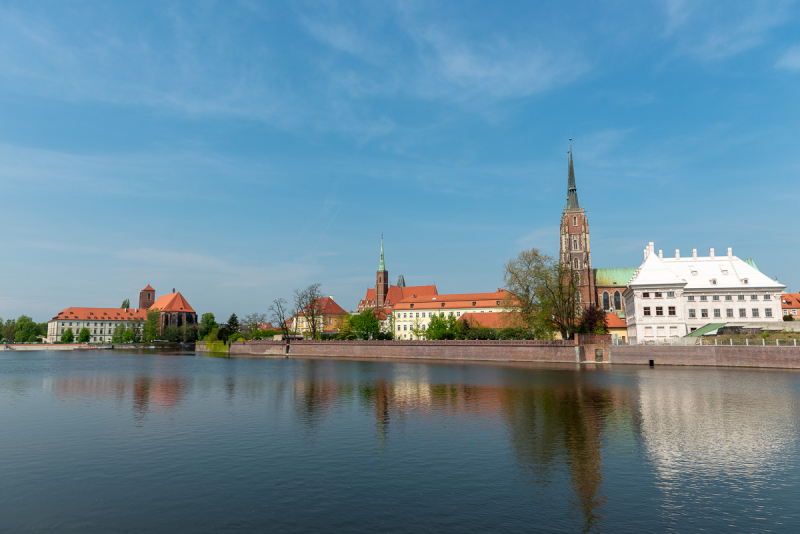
(711, 252)
(173, 290)
(730, 252)
(694, 253)
(677, 254)
(660, 255)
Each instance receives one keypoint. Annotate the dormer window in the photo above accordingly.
(473, 303)
(442, 304)
(713, 281)
(745, 281)
(412, 305)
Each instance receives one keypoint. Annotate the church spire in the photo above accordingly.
(572, 190)
(383, 265)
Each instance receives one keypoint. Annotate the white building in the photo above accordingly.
(672, 297)
(101, 322)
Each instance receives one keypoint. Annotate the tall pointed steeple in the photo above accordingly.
(572, 189)
(383, 265)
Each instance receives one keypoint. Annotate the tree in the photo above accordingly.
(207, 324)
(593, 320)
(419, 329)
(151, 329)
(119, 333)
(24, 329)
(365, 325)
(279, 314)
(308, 305)
(253, 323)
(543, 291)
(67, 336)
(128, 336)
(126, 303)
(135, 329)
(442, 327)
(84, 336)
(170, 333)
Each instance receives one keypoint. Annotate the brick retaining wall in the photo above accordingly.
(723, 355)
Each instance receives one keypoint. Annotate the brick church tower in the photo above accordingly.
(147, 297)
(381, 282)
(575, 250)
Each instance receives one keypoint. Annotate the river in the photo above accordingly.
(122, 441)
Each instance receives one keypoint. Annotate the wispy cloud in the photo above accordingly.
(790, 60)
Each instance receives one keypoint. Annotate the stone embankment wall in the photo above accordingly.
(527, 351)
(42, 346)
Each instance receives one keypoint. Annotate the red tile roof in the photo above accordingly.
(461, 300)
(613, 321)
(173, 302)
(790, 300)
(101, 314)
(148, 288)
(492, 320)
(328, 306)
(396, 293)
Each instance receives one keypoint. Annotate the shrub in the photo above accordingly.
(788, 318)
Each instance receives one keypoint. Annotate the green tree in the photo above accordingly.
(170, 333)
(67, 336)
(442, 327)
(418, 328)
(365, 325)
(128, 336)
(135, 329)
(207, 324)
(84, 336)
(232, 327)
(8, 330)
(119, 334)
(126, 303)
(24, 329)
(151, 329)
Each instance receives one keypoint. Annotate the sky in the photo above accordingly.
(236, 151)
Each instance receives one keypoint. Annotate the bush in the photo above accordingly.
(236, 337)
(788, 318)
(68, 336)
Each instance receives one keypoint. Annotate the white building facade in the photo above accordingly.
(673, 297)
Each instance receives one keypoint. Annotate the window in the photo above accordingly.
(715, 297)
(450, 314)
(670, 294)
(417, 314)
(330, 320)
(645, 295)
(405, 327)
(692, 314)
(576, 263)
(729, 312)
(755, 312)
(473, 303)
(412, 305)
(742, 312)
(574, 221)
(690, 298)
(753, 297)
(745, 281)
(673, 331)
(658, 294)
(713, 281)
(766, 297)
(574, 243)
(728, 297)
(741, 297)
(62, 324)
(398, 328)
(442, 304)
(606, 303)
(458, 314)
(767, 312)
(647, 310)
(717, 313)
(703, 298)
(786, 312)
(498, 303)
(659, 310)
(672, 311)
(704, 313)
(617, 301)
(70, 324)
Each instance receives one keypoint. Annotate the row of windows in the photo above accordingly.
(660, 311)
(704, 298)
(474, 303)
(89, 324)
(729, 313)
(661, 331)
(659, 294)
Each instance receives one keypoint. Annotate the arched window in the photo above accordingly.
(578, 296)
(605, 300)
(574, 221)
(574, 243)
(617, 301)
(576, 263)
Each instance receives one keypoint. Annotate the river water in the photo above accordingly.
(116, 441)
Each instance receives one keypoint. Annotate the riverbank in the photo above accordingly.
(592, 349)
(85, 346)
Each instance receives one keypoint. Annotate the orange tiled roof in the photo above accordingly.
(173, 302)
(328, 306)
(491, 320)
(459, 300)
(148, 288)
(613, 321)
(101, 314)
(790, 300)
(396, 293)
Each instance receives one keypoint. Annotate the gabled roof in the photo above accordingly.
(173, 302)
(790, 300)
(101, 314)
(654, 272)
(612, 321)
(397, 294)
(615, 277)
(327, 306)
(458, 300)
(148, 288)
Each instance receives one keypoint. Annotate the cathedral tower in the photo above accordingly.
(381, 281)
(574, 250)
(147, 297)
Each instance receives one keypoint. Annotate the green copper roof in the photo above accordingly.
(752, 264)
(703, 330)
(616, 277)
(383, 265)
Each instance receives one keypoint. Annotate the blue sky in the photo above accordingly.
(236, 151)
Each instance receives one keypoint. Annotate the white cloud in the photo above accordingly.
(790, 60)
